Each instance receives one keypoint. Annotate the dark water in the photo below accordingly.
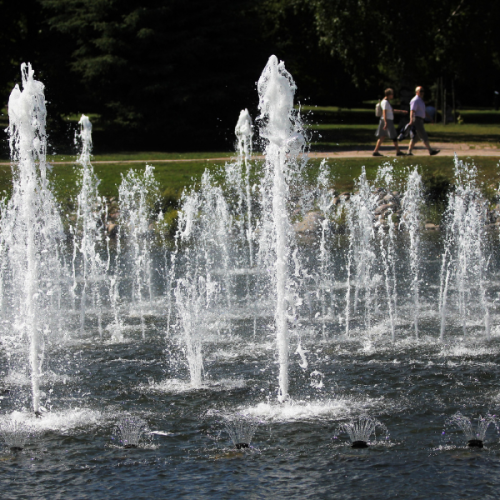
(412, 387)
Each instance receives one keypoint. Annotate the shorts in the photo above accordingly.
(389, 132)
(419, 127)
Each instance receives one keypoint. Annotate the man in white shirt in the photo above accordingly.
(417, 116)
(386, 124)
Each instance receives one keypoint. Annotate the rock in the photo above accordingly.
(309, 223)
(431, 227)
(382, 208)
(346, 195)
(388, 197)
(336, 200)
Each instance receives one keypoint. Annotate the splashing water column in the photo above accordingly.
(464, 261)
(361, 255)
(31, 225)
(325, 275)
(244, 134)
(412, 201)
(138, 192)
(89, 232)
(284, 141)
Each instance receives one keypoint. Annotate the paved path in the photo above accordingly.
(447, 149)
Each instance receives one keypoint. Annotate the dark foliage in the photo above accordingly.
(171, 74)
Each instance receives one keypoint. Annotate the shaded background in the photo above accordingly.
(173, 75)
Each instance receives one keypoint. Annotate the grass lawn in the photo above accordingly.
(334, 129)
(339, 129)
(173, 177)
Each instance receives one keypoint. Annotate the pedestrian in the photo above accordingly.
(417, 117)
(386, 124)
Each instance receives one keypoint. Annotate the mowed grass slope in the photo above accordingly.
(339, 128)
(174, 177)
(334, 129)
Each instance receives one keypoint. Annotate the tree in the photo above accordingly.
(163, 72)
(379, 42)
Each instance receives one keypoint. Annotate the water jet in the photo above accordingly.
(361, 430)
(241, 429)
(475, 435)
(129, 431)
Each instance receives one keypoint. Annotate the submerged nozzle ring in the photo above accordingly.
(240, 446)
(475, 443)
(359, 444)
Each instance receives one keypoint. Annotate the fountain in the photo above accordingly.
(282, 132)
(241, 429)
(271, 272)
(475, 436)
(324, 274)
(361, 254)
(244, 134)
(138, 195)
(361, 430)
(90, 239)
(204, 253)
(129, 431)
(412, 201)
(464, 260)
(31, 231)
(16, 433)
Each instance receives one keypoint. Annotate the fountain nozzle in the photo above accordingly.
(240, 446)
(475, 443)
(38, 414)
(359, 444)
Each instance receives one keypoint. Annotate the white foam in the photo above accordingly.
(176, 386)
(460, 350)
(62, 421)
(305, 410)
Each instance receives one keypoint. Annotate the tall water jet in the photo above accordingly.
(412, 201)
(386, 235)
(464, 261)
(282, 131)
(192, 298)
(138, 194)
(244, 134)
(361, 256)
(203, 252)
(325, 273)
(90, 241)
(31, 231)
